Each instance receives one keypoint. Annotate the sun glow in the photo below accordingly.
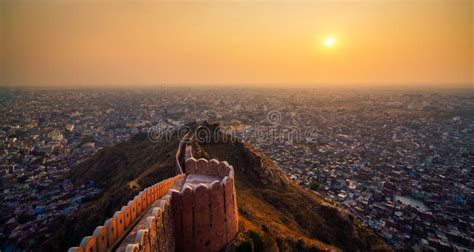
(232, 42)
(329, 41)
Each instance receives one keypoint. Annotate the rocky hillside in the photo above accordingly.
(121, 171)
(276, 214)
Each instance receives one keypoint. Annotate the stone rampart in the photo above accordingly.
(180, 153)
(193, 211)
(154, 199)
(205, 214)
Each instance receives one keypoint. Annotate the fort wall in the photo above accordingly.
(193, 211)
(180, 154)
(124, 222)
(205, 214)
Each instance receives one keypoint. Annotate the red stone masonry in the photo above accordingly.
(196, 211)
(149, 203)
(205, 214)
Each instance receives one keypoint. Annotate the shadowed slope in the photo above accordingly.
(122, 170)
(277, 213)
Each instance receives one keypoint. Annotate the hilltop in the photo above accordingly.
(278, 214)
(275, 213)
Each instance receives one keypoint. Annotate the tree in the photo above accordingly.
(314, 185)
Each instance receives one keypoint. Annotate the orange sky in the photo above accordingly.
(277, 43)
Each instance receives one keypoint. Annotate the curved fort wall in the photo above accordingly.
(193, 211)
(153, 200)
(180, 153)
(205, 214)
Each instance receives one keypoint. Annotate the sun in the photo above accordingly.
(329, 41)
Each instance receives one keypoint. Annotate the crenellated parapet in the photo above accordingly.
(205, 210)
(121, 224)
(193, 211)
(154, 231)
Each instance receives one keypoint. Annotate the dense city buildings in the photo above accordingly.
(399, 161)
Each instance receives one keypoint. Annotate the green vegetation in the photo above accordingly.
(314, 185)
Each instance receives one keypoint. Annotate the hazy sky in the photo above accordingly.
(145, 42)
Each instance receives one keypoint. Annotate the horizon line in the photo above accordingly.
(248, 85)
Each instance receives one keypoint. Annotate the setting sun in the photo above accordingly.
(235, 42)
(329, 41)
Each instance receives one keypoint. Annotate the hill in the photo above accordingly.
(277, 214)
(122, 171)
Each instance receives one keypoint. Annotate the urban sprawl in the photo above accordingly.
(399, 161)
